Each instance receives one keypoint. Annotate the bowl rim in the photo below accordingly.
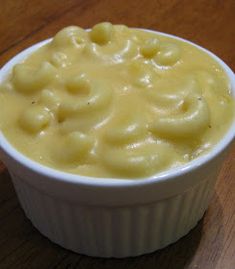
(168, 175)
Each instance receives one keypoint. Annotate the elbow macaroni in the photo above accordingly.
(34, 119)
(169, 54)
(190, 123)
(74, 148)
(133, 162)
(28, 79)
(71, 36)
(115, 102)
(150, 47)
(102, 33)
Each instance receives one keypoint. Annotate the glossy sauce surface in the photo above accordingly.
(115, 102)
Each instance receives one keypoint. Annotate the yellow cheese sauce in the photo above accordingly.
(115, 102)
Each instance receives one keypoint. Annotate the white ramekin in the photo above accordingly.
(114, 217)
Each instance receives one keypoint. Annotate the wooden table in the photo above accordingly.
(210, 23)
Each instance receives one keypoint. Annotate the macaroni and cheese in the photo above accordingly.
(115, 102)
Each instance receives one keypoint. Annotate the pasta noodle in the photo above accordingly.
(115, 102)
(27, 79)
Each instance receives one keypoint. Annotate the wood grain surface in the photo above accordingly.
(210, 23)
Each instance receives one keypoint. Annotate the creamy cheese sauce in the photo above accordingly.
(115, 102)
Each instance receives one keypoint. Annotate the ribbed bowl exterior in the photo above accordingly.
(114, 231)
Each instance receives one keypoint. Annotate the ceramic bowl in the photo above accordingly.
(114, 217)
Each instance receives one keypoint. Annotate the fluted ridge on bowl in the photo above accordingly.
(114, 231)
